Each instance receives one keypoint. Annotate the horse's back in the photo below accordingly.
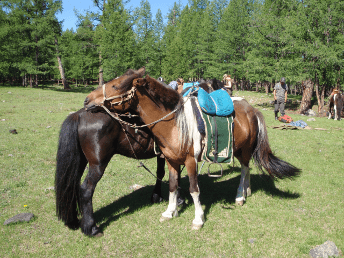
(101, 137)
(245, 124)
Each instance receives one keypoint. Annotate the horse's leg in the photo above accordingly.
(191, 167)
(87, 224)
(243, 186)
(335, 112)
(173, 188)
(247, 183)
(160, 173)
(329, 111)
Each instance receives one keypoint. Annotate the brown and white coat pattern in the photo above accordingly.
(336, 102)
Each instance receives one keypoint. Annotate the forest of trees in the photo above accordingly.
(256, 42)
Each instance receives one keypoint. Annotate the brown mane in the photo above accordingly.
(167, 96)
(126, 84)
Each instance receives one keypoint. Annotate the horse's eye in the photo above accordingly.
(114, 87)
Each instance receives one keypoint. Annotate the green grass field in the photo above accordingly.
(285, 218)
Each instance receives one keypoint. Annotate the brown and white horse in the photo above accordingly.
(336, 103)
(172, 120)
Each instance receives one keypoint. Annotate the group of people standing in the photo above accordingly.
(280, 91)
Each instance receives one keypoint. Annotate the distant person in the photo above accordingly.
(180, 82)
(174, 85)
(280, 96)
(227, 81)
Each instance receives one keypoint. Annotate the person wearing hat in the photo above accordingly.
(280, 96)
(227, 81)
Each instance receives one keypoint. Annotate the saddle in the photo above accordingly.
(215, 120)
(189, 84)
(216, 103)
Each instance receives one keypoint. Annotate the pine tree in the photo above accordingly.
(144, 30)
(232, 43)
(172, 45)
(34, 27)
(157, 56)
(115, 40)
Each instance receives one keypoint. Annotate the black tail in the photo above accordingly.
(264, 158)
(70, 165)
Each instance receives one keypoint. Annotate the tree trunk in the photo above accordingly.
(257, 86)
(31, 81)
(37, 53)
(62, 73)
(307, 92)
(235, 84)
(101, 79)
(320, 93)
(267, 87)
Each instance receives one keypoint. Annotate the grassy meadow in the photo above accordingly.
(285, 218)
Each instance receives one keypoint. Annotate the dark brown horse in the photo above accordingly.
(94, 138)
(172, 120)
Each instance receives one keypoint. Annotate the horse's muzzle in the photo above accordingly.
(90, 106)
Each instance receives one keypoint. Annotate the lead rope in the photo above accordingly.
(141, 163)
(130, 95)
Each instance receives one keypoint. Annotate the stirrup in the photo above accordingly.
(210, 175)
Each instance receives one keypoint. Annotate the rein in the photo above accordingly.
(129, 95)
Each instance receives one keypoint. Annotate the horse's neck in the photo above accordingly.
(151, 111)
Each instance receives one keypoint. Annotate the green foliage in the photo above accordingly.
(116, 40)
(30, 29)
(253, 41)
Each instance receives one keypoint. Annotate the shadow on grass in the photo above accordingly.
(211, 192)
(80, 89)
(58, 88)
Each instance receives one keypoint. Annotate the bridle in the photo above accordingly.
(126, 96)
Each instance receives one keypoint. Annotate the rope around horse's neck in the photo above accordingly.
(116, 116)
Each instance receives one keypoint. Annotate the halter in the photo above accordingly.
(124, 97)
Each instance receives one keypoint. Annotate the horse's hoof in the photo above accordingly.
(240, 203)
(96, 232)
(162, 219)
(156, 198)
(180, 201)
(248, 192)
(196, 226)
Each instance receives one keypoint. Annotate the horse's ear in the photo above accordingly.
(141, 71)
(139, 82)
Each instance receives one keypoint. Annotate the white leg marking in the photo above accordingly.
(247, 184)
(198, 222)
(172, 207)
(335, 112)
(242, 190)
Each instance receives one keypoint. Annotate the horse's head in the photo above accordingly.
(116, 95)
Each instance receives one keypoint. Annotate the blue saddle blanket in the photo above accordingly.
(189, 84)
(216, 103)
